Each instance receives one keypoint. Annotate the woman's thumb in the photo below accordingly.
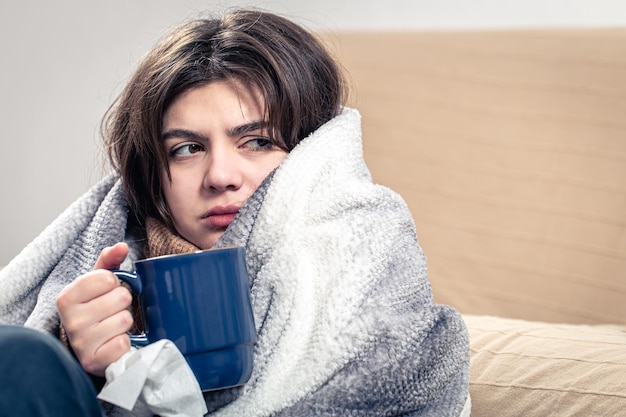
(112, 257)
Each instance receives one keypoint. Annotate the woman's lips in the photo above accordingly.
(221, 217)
(221, 220)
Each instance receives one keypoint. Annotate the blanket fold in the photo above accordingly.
(68, 247)
(346, 320)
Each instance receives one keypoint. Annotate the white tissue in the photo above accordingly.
(157, 375)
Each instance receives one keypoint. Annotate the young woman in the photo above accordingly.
(233, 131)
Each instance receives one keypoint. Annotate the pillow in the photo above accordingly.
(524, 368)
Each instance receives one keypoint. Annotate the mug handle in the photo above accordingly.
(131, 278)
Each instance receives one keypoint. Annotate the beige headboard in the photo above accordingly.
(510, 149)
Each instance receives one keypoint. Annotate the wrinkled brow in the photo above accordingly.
(248, 127)
(183, 134)
(235, 131)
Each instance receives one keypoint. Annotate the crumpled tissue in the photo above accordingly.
(157, 375)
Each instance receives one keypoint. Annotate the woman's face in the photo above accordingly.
(219, 152)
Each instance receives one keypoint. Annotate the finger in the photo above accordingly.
(85, 317)
(112, 257)
(96, 283)
(115, 325)
(106, 354)
(87, 287)
(88, 344)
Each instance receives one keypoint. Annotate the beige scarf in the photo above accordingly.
(162, 241)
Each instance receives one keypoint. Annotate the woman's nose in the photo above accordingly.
(223, 171)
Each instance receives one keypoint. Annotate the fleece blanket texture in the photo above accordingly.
(343, 307)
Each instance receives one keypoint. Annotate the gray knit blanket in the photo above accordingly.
(344, 312)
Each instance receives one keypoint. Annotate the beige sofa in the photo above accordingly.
(510, 149)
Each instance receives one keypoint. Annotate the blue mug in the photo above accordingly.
(201, 302)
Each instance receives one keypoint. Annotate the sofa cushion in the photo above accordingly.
(508, 147)
(524, 368)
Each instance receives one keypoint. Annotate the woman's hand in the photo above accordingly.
(94, 313)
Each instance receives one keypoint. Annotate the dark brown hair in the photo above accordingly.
(300, 82)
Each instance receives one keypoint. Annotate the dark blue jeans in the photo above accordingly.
(39, 377)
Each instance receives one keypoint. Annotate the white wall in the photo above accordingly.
(64, 61)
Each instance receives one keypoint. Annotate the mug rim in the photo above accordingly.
(198, 252)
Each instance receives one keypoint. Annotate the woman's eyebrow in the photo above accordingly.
(247, 127)
(235, 131)
(183, 134)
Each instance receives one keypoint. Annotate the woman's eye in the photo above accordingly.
(186, 150)
(259, 144)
